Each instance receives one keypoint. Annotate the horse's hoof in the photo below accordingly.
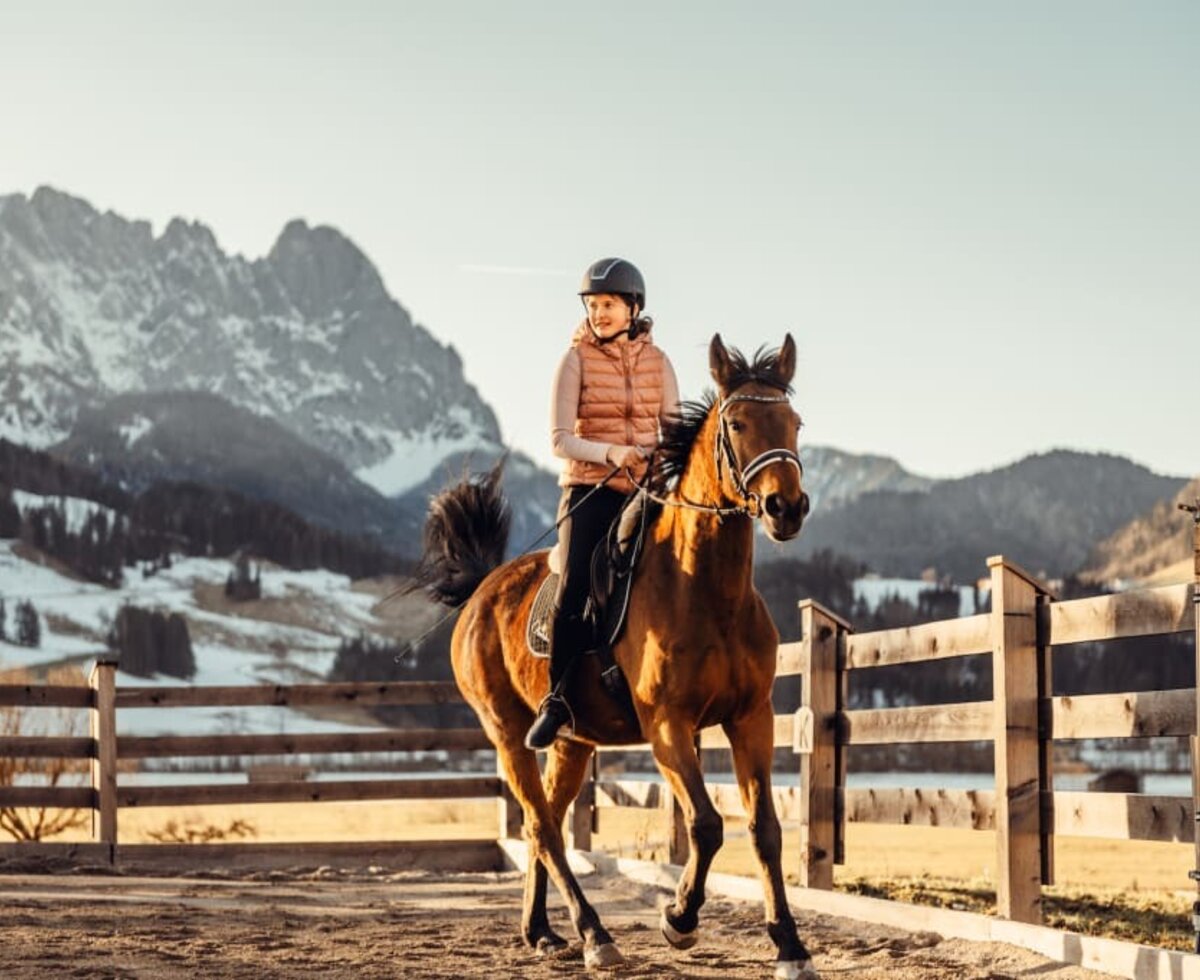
(551, 945)
(602, 957)
(680, 940)
(795, 970)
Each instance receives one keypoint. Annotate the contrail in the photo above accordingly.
(513, 270)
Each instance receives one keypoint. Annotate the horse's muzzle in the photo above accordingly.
(782, 518)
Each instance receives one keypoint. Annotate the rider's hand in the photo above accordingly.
(625, 456)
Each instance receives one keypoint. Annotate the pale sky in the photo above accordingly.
(981, 221)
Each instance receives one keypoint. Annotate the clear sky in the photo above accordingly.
(980, 220)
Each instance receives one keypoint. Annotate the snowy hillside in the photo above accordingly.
(314, 611)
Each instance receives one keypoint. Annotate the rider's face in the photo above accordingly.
(607, 314)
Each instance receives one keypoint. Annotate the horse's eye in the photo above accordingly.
(735, 426)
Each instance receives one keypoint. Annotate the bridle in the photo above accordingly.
(741, 476)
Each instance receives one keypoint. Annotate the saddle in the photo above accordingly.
(612, 565)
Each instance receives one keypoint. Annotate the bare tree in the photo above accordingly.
(38, 823)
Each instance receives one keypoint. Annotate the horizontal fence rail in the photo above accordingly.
(1021, 722)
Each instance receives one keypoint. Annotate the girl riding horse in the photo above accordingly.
(698, 649)
(612, 389)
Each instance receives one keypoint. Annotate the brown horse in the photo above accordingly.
(698, 647)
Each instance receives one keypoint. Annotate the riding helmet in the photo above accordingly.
(616, 276)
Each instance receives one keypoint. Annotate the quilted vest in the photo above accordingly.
(620, 401)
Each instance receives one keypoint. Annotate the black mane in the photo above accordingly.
(682, 429)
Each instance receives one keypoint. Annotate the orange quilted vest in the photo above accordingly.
(620, 401)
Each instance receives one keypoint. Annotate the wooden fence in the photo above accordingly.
(1022, 721)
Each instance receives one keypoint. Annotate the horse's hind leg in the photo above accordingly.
(565, 772)
(675, 753)
(752, 740)
(544, 834)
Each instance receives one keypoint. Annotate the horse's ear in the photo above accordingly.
(787, 360)
(718, 361)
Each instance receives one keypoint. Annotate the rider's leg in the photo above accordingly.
(569, 633)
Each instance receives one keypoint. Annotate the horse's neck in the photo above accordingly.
(712, 551)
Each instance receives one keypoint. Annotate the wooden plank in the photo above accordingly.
(727, 798)
(45, 696)
(1142, 714)
(47, 747)
(714, 737)
(54, 797)
(643, 794)
(432, 856)
(929, 641)
(464, 787)
(818, 769)
(392, 740)
(964, 808)
(102, 723)
(789, 661)
(1121, 816)
(1167, 609)
(1015, 671)
(14, 856)
(370, 694)
(969, 721)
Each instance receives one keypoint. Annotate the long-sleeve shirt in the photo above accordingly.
(564, 410)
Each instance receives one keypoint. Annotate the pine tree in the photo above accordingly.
(29, 629)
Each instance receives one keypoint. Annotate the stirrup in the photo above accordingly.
(553, 714)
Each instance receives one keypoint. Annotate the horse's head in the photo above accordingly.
(757, 436)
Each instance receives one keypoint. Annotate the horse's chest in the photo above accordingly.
(709, 680)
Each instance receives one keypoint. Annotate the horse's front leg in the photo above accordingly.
(566, 770)
(752, 739)
(675, 754)
(544, 833)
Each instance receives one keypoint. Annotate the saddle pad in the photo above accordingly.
(537, 630)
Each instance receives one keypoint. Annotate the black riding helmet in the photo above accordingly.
(615, 276)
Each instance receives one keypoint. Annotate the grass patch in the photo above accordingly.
(1162, 920)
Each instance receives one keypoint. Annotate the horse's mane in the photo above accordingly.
(682, 429)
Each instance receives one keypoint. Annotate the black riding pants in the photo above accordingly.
(577, 538)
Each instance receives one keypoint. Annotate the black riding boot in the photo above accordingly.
(567, 640)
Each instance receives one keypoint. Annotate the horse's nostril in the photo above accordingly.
(804, 505)
(775, 505)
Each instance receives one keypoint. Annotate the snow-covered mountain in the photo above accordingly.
(833, 477)
(94, 305)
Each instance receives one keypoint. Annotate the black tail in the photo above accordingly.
(465, 536)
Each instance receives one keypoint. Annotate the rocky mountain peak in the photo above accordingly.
(92, 306)
(322, 271)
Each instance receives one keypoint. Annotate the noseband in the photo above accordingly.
(742, 475)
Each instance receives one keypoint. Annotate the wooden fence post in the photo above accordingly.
(509, 810)
(678, 844)
(1015, 681)
(820, 772)
(102, 726)
(583, 811)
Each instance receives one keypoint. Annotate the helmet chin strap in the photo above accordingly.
(608, 340)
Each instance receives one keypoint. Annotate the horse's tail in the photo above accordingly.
(465, 536)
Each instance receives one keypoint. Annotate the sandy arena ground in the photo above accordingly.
(332, 925)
